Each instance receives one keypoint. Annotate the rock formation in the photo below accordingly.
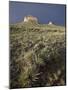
(30, 18)
(50, 23)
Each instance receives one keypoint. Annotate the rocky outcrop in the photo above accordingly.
(30, 18)
(50, 23)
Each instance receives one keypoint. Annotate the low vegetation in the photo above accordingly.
(37, 55)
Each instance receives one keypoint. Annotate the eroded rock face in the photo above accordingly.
(30, 18)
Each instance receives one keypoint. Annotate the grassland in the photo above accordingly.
(37, 55)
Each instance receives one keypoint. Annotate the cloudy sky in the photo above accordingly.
(44, 12)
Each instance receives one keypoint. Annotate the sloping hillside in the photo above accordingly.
(37, 55)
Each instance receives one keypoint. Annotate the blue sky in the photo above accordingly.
(44, 12)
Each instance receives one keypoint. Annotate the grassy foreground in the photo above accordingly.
(37, 55)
